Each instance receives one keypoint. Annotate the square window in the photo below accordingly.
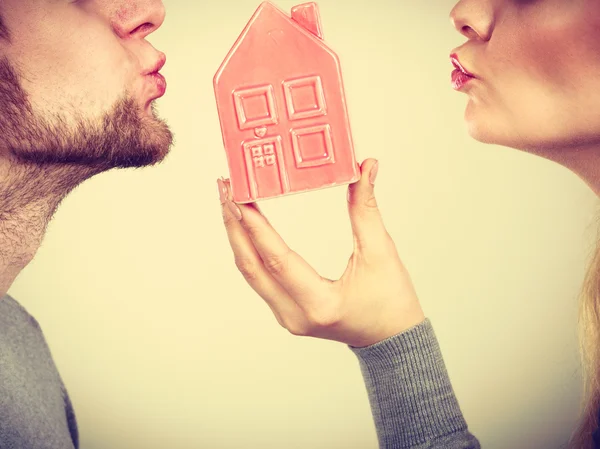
(313, 146)
(270, 159)
(255, 107)
(305, 98)
(256, 151)
(269, 148)
(259, 162)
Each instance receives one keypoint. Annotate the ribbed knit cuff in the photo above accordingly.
(409, 390)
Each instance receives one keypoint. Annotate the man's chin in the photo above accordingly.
(161, 135)
(149, 146)
(125, 137)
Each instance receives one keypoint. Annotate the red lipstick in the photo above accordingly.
(460, 76)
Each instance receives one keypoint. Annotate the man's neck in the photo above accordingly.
(21, 234)
(29, 196)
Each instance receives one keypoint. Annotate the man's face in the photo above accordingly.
(74, 83)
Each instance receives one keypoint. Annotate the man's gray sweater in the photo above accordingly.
(35, 410)
(409, 390)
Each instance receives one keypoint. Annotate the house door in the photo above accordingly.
(267, 176)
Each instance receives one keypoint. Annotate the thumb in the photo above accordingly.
(365, 217)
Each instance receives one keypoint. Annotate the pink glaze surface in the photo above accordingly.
(282, 108)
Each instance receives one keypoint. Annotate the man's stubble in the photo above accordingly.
(51, 156)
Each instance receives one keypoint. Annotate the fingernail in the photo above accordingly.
(222, 191)
(237, 213)
(374, 171)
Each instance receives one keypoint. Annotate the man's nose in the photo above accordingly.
(135, 19)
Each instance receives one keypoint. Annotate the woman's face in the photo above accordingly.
(538, 64)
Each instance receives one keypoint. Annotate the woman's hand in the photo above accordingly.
(373, 300)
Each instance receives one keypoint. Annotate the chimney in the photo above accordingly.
(307, 15)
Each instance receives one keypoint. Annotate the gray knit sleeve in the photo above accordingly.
(411, 397)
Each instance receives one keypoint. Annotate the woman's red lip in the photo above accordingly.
(456, 63)
(459, 79)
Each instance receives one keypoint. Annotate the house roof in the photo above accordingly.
(258, 15)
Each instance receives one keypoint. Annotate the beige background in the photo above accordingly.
(162, 344)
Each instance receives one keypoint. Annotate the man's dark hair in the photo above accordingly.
(3, 30)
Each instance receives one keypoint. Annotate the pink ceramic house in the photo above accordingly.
(282, 108)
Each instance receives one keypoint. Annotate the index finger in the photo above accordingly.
(288, 268)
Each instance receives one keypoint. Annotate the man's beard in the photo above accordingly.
(124, 137)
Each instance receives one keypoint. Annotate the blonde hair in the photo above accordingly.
(589, 347)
